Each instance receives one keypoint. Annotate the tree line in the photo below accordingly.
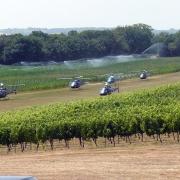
(39, 46)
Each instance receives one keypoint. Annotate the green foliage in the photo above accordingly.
(151, 112)
(39, 46)
(172, 41)
(46, 77)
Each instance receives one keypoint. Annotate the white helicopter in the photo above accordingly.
(108, 89)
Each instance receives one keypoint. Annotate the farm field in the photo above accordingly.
(88, 91)
(150, 161)
(47, 77)
(139, 160)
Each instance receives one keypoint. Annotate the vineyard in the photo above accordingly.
(152, 113)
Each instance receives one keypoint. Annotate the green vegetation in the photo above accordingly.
(46, 77)
(171, 42)
(39, 46)
(151, 112)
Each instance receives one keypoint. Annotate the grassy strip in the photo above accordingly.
(46, 77)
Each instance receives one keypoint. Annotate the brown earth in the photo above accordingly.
(127, 162)
(87, 91)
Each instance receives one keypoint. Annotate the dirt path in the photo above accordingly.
(139, 162)
(87, 91)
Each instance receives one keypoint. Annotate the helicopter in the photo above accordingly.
(76, 82)
(6, 90)
(143, 75)
(112, 78)
(108, 89)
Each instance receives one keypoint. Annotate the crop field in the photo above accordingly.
(130, 135)
(46, 77)
(27, 99)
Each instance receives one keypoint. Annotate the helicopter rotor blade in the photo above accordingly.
(63, 78)
(86, 78)
(78, 77)
(16, 85)
(81, 77)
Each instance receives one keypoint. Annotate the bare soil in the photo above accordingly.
(27, 99)
(154, 161)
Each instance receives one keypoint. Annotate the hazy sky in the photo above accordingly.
(160, 14)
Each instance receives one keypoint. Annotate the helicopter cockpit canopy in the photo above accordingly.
(75, 84)
(103, 91)
(111, 79)
(143, 75)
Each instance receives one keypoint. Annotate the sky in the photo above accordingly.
(160, 14)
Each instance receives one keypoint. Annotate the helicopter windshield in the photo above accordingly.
(103, 90)
(111, 79)
(73, 83)
(143, 75)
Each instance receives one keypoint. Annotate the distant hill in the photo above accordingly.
(27, 31)
(170, 31)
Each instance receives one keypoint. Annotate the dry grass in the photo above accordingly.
(135, 161)
(88, 91)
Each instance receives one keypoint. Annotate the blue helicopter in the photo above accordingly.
(6, 90)
(108, 89)
(112, 80)
(76, 82)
